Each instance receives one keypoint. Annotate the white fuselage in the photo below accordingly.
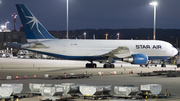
(77, 48)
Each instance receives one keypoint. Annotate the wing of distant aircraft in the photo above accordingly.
(131, 51)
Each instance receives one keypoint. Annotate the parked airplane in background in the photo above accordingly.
(131, 51)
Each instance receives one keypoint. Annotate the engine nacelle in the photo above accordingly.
(137, 59)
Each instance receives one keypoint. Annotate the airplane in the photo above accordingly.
(105, 51)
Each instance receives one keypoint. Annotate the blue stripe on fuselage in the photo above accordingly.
(93, 58)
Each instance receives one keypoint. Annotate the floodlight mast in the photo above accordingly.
(67, 21)
(154, 4)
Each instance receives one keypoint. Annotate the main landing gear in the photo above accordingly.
(108, 65)
(91, 65)
(163, 64)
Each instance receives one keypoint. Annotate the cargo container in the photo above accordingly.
(35, 87)
(95, 91)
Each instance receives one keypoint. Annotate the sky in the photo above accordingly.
(96, 14)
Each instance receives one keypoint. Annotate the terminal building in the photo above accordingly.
(170, 35)
(20, 37)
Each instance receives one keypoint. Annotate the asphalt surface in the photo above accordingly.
(30, 67)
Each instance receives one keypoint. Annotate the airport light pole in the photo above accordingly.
(67, 22)
(6, 25)
(84, 35)
(154, 4)
(177, 40)
(118, 36)
(14, 20)
(106, 35)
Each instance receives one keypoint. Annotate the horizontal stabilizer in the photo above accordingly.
(28, 45)
(34, 45)
(17, 45)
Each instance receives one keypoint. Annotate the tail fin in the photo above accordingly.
(34, 30)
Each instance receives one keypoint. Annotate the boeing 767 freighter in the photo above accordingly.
(131, 51)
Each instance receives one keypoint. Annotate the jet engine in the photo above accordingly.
(137, 59)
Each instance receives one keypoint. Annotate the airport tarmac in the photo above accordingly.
(38, 67)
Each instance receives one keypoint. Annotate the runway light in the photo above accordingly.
(24, 76)
(17, 77)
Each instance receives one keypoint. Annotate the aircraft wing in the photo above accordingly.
(120, 52)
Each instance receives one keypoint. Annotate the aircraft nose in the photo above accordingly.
(175, 51)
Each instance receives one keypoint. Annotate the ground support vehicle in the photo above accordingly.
(69, 76)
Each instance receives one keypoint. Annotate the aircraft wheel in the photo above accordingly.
(146, 65)
(112, 66)
(107, 65)
(94, 65)
(89, 65)
(163, 65)
(178, 65)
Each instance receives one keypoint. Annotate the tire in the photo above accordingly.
(104, 66)
(112, 66)
(178, 65)
(89, 65)
(94, 65)
(163, 65)
(107, 65)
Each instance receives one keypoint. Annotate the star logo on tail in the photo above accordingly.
(35, 23)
